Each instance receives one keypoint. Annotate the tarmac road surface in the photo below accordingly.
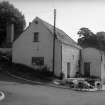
(25, 94)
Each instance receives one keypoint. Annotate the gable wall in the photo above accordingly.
(71, 55)
(24, 48)
(92, 56)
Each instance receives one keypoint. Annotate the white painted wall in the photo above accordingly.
(70, 54)
(24, 48)
(93, 56)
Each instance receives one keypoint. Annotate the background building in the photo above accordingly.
(93, 63)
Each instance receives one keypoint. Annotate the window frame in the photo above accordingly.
(36, 22)
(36, 63)
(36, 37)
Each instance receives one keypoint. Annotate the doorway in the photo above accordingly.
(87, 69)
(68, 69)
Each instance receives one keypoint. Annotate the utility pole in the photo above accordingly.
(54, 37)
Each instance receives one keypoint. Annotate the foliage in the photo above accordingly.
(85, 32)
(101, 39)
(101, 35)
(78, 74)
(9, 14)
(62, 75)
(89, 39)
(21, 70)
(46, 72)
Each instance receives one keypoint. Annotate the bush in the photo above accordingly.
(62, 75)
(22, 68)
(46, 72)
(78, 74)
(30, 73)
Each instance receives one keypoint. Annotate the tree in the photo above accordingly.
(101, 35)
(85, 32)
(86, 37)
(10, 15)
(101, 39)
(89, 39)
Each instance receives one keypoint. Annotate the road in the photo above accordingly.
(25, 94)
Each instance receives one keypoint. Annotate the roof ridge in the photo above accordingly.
(61, 35)
(55, 27)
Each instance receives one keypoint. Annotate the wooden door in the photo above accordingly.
(68, 69)
(87, 69)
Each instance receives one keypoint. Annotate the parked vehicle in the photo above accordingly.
(82, 84)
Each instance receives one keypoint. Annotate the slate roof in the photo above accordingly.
(61, 35)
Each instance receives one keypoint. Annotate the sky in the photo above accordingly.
(71, 15)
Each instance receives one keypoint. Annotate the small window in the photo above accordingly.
(38, 61)
(36, 22)
(36, 37)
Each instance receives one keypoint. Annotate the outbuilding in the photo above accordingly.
(93, 63)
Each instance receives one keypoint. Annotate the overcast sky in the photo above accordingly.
(71, 14)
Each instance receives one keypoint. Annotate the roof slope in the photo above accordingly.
(61, 35)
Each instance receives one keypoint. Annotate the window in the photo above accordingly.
(36, 37)
(38, 61)
(36, 22)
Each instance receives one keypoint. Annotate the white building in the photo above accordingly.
(93, 63)
(34, 48)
